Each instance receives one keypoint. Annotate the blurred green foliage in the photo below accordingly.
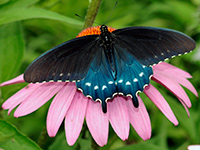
(30, 27)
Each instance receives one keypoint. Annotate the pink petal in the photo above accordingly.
(139, 118)
(173, 86)
(155, 96)
(171, 69)
(19, 97)
(181, 80)
(39, 97)
(186, 108)
(18, 79)
(59, 107)
(97, 122)
(118, 116)
(75, 118)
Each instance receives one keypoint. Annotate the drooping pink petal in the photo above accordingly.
(155, 96)
(186, 108)
(18, 79)
(97, 122)
(181, 80)
(172, 86)
(139, 118)
(19, 97)
(59, 107)
(75, 118)
(168, 68)
(39, 97)
(118, 116)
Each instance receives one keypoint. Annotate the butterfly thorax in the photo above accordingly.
(106, 39)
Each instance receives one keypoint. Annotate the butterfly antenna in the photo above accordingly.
(87, 19)
(112, 12)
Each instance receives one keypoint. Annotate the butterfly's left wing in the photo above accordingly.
(150, 45)
(69, 61)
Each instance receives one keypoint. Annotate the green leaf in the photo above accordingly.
(11, 50)
(12, 139)
(18, 11)
(3, 2)
(17, 4)
(182, 10)
(187, 123)
(144, 146)
(61, 143)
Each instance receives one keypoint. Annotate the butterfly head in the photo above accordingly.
(104, 29)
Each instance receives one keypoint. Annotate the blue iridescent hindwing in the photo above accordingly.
(131, 77)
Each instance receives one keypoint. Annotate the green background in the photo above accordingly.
(30, 27)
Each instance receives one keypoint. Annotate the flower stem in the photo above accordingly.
(91, 13)
(94, 145)
(84, 130)
(42, 138)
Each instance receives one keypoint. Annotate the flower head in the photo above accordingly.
(72, 107)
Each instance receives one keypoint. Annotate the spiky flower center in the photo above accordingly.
(93, 30)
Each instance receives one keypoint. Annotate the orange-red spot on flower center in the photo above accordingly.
(93, 30)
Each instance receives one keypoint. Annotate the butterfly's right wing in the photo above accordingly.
(150, 45)
(69, 61)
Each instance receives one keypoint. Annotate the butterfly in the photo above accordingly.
(118, 62)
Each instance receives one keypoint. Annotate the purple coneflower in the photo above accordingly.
(70, 105)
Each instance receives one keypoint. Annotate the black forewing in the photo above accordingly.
(151, 45)
(66, 62)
